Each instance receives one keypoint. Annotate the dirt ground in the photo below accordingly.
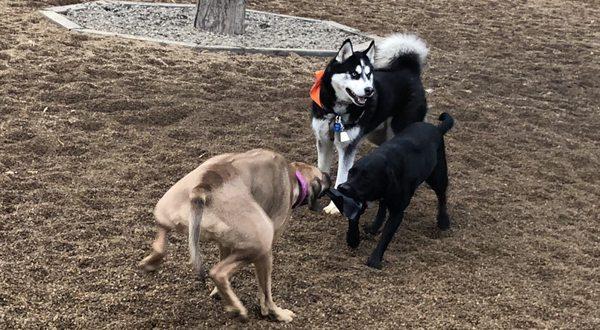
(94, 130)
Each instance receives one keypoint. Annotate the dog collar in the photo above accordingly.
(303, 187)
(315, 90)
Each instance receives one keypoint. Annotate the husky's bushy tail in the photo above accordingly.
(400, 51)
(446, 122)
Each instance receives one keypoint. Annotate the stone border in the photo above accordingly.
(55, 14)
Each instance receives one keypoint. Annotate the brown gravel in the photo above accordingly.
(94, 130)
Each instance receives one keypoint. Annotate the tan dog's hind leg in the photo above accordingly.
(223, 253)
(220, 274)
(214, 293)
(264, 266)
(153, 260)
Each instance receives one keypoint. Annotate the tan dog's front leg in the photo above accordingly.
(220, 275)
(264, 266)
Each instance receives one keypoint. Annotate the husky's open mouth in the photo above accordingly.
(358, 100)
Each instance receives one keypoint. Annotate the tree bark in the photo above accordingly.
(221, 16)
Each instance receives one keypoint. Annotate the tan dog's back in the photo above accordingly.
(227, 178)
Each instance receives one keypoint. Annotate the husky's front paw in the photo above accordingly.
(284, 315)
(331, 209)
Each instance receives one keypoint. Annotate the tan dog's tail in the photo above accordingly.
(198, 200)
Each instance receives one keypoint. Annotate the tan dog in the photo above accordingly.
(242, 202)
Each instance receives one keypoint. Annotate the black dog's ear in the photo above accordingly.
(345, 51)
(315, 192)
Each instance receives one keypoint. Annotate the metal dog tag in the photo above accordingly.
(338, 126)
(344, 137)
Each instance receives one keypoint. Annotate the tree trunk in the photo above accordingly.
(221, 16)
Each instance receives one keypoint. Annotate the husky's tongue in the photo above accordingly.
(358, 100)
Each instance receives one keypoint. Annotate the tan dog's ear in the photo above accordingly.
(327, 182)
(315, 190)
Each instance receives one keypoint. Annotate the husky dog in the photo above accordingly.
(373, 93)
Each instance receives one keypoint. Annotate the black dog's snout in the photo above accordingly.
(369, 91)
(349, 206)
(345, 189)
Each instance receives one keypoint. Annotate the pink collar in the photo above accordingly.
(303, 186)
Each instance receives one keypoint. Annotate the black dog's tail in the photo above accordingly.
(446, 122)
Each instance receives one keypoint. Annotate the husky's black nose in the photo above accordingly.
(369, 91)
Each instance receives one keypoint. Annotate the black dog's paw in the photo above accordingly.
(353, 244)
(353, 239)
(443, 222)
(369, 230)
(374, 263)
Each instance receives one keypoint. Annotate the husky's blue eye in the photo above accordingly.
(354, 75)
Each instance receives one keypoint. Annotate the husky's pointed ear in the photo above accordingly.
(345, 51)
(370, 52)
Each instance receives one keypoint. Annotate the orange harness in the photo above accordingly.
(315, 90)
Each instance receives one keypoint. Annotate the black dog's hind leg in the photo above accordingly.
(374, 227)
(438, 181)
(391, 226)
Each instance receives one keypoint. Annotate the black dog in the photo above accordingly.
(391, 174)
